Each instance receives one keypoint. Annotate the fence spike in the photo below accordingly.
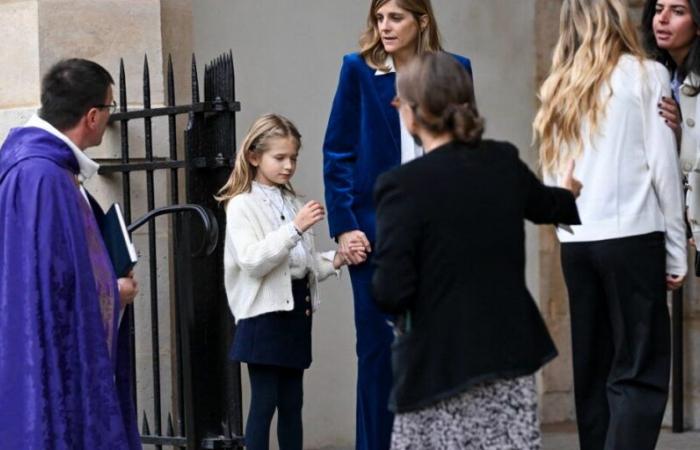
(171, 82)
(122, 86)
(230, 84)
(207, 75)
(195, 81)
(146, 84)
(145, 429)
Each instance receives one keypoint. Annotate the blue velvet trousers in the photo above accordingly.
(374, 338)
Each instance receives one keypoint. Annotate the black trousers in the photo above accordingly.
(621, 339)
(275, 388)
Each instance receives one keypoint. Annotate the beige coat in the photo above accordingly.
(690, 149)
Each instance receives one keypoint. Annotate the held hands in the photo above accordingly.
(571, 183)
(309, 214)
(668, 110)
(128, 289)
(353, 247)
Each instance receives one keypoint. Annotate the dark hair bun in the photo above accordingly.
(464, 122)
(441, 93)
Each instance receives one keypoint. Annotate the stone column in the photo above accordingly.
(37, 34)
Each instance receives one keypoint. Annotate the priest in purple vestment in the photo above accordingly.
(64, 362)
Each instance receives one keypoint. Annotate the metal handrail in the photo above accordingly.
(211, 226)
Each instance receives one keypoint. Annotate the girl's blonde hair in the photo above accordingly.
(257, 141)
(371, 47)
(593, 34)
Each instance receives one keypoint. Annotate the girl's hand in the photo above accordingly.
(571, 183)
(310, 214)
(338, 261)
(358, 252)
(668, 109)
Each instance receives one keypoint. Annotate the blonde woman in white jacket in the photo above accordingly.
(271, 270)
(599, 109)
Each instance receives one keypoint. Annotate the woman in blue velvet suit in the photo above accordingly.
(365, 138)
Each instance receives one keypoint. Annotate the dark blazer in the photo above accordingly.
(451, 250)
(363, 140)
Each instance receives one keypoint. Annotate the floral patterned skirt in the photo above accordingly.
(496, 415)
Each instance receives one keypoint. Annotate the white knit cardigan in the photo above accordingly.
(256, 259)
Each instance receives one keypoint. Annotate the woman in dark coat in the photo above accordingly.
(450, 263)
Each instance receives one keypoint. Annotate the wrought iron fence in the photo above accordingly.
(206, 409)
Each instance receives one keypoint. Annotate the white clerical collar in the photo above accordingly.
(388, 62)
(87, 166)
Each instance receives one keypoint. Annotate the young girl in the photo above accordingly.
(271, 271)
(630, 246)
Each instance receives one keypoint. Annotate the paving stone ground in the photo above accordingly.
(563, 437)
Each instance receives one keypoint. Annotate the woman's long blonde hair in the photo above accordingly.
(593, 34)
(257, 141)
(371, 47)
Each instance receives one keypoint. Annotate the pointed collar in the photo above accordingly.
(389, 62)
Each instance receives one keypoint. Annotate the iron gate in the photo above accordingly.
(205, 411)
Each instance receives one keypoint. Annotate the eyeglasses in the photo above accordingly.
(112, 106)
(396, 102)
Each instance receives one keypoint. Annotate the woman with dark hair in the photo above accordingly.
(450, 263)
(671, 30)
(364, 138)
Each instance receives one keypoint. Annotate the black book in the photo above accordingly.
(116, 237)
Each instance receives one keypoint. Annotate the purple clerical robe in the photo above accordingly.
(59, 343)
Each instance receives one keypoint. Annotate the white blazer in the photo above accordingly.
(690, 149)
(629, 166)
(257, 274)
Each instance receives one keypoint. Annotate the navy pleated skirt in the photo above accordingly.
(280, 338)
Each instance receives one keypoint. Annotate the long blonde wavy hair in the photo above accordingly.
(257, 141)
(593, 34)
(371, 47)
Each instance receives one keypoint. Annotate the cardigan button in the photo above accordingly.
(690, 122)
(308, 299)
(308, 312)
(687, 167)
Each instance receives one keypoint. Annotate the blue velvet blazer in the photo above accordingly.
(363, 140)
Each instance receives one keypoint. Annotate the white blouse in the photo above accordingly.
(281, 213)
(410, 149)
